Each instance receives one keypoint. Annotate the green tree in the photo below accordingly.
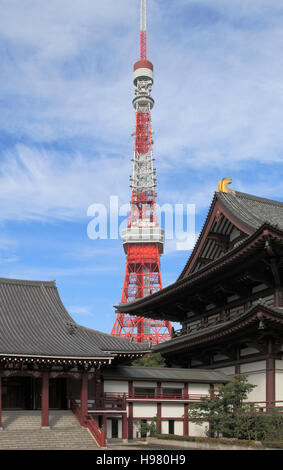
(150, 360)
(145, 428)
(221, 408)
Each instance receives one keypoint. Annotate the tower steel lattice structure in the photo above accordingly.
(143, 239)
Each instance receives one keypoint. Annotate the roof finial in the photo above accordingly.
(223, 186)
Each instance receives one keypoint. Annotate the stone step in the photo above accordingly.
(22, 430)
(32, 419)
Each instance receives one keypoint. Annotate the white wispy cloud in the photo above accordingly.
(66, 79)
(80, 310)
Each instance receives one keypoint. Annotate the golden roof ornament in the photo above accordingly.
(223, 186)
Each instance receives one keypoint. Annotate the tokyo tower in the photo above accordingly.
(143, 239)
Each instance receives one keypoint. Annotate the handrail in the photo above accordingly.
(89, 422)
(98, 433)
(76, 409)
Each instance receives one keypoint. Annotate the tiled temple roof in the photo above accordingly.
(164, 374)
(34, 322)
(252, 210)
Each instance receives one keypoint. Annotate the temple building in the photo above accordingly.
(229, 296)
(49, 362)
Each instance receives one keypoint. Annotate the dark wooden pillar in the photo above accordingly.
(84, 397)
(186, 418)
(97, 389)
(131, 412)
(45, 400)
(278, 297)
(159, 408)
(238, 365)
(104, 424)
(124, 426)
(270, 383)
(0, 402)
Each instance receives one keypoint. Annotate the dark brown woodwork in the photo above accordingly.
(278, 297)
(270, 377)
(45, 400)
(84, 397)
(217, 211)
(0, 403)
(222, 240)
(203, 260)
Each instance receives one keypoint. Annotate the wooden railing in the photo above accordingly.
(108, 401)
(98, 433)
(267, 405)
(89, 422)
(151, 396)
(76, 409)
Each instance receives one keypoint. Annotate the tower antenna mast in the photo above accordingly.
(143, 30)
(143, 239)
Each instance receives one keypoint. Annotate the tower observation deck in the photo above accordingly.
(142, 239)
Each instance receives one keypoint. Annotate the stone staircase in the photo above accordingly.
(22, 431)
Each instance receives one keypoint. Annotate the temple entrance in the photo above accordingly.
(115, 433)
(57, 394)
(24, 393)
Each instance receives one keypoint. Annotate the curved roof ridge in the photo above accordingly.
(259, 198)
(25, 282)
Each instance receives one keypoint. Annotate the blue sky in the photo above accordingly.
(66, 121)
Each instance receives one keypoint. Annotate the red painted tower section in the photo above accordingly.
(143, 239)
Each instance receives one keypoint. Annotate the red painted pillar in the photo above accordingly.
(104, 424)
(124, 426)
(270, 383)
(131, 412)
(186, 418)
(0, 402)
(45, 400)
(97, 390)
(84, 397)
(159, 408)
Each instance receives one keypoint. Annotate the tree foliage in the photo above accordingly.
(230, 415)
(150, 360)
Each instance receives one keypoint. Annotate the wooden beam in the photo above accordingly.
(222, 240)
(45, 400)
(203, 260)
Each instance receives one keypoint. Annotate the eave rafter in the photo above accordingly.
(260, 322)
(222, 240)
(233, 289)
(203, 260)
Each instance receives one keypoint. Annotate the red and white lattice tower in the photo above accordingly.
(143, 239)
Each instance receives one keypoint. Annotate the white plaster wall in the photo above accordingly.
(247, 351)
(199, 389)
(178, 428)
(197, 430)
(109, 428)
(116, 386)
(164, 427)
(279, 381)
(227, 370)
(172, 410)
(257, 376)
(253, 367)
(144, 410)
(135, 431)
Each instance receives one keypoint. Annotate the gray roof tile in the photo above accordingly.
(165, 374)
(34, 322)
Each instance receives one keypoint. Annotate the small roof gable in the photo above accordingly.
(232, 217)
